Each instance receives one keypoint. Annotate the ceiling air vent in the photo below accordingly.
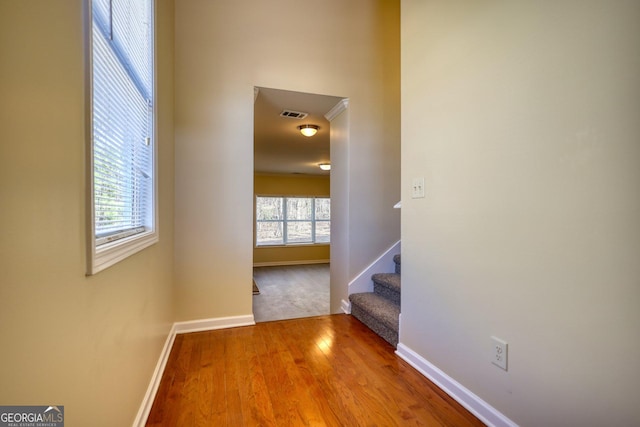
(293, 114)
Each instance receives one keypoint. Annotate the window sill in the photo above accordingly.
(290, 245)
(109, 254)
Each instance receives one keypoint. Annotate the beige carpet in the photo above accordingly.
(291, 292)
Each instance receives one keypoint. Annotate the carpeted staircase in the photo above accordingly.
(380, 309)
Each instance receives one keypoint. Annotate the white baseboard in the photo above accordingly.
(345, 306)
(182, 328)
(150, 395)
(279, 263)
(478, 407)
(212, 324)
(384, 264)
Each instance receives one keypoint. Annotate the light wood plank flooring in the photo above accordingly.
(319, 371)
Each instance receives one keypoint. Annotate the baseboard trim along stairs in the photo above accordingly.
(182, 328)
(362, 282)
(380, 309)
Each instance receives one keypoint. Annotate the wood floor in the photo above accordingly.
(318, 371)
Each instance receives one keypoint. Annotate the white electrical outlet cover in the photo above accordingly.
(499, 352)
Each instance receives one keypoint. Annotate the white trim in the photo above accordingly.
(384, 264)
(100, 257)
(337, 109)
(345, 306)
(112, 253)
(212, 324)
(301, 262)
(150, 395)
(478, 407)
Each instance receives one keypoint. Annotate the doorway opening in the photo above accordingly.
(292, 204)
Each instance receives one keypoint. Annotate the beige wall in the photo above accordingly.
(339, 270)
(88, 343)
(523, 117)
(223, 50)
(291, 185)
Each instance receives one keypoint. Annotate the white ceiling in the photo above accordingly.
(279, 147)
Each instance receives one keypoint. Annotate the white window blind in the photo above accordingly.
(122, 120)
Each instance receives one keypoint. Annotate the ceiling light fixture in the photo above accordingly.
(308, 130)
(325, 166)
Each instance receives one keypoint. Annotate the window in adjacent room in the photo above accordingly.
(123, 149)
(292, 220)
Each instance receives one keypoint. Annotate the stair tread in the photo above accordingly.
(381, 308)
(390, 280)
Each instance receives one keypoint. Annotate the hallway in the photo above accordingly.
(329, 371)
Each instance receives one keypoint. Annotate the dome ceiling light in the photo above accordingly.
(308, 130)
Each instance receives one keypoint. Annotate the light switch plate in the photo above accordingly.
(417, 188)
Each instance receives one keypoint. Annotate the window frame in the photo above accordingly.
(106, 254)
(284, 222)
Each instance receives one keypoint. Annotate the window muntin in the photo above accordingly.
(292, 220)
(122, 123)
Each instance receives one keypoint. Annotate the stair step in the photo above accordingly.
(387, 285)
(396, 260)
(377, 312)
